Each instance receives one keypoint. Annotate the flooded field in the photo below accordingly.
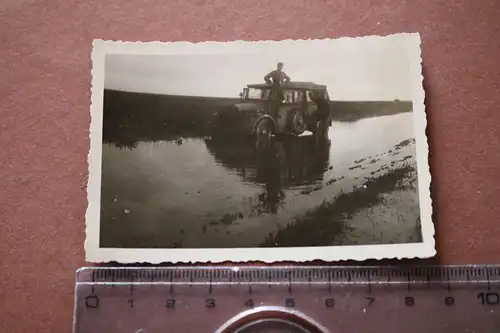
(359, 186)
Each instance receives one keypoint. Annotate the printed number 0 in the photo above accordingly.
(489, 298)
(92, 301)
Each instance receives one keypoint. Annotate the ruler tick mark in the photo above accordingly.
(290, 283)
(369, 282)
(448, 284)
(488, 281)
(171, 283)
(132, 284)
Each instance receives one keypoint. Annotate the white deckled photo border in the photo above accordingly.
(94, 253)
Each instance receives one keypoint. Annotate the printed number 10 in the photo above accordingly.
(489, 298)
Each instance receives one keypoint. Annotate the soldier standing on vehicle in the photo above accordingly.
(277, 76)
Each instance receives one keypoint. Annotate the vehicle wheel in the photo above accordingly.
(297, 122)
(264, 128)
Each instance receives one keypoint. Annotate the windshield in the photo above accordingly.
(288, 95)
(254, 93)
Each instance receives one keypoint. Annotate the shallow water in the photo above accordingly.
(357, 187)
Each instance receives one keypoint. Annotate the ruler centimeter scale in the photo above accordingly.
(292, 299)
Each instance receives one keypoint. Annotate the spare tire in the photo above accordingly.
(296, 122)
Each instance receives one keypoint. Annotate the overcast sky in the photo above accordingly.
(352, 71)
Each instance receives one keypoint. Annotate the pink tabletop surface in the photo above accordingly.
(44, 121)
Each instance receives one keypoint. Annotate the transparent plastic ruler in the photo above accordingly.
(292, 299)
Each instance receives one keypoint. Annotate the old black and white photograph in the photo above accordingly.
(258, 151)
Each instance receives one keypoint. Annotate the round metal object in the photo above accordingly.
(270, 319)
(297, 122)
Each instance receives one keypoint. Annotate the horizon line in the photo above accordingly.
(237, 97)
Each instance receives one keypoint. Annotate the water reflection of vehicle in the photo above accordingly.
(275, 164)
(267, 109)
(293, 161)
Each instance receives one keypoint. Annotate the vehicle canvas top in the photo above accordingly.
(290, 85)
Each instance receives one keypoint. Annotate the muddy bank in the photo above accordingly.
(329, 223)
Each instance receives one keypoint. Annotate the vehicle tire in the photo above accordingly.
(264, 128)
(297, 122)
